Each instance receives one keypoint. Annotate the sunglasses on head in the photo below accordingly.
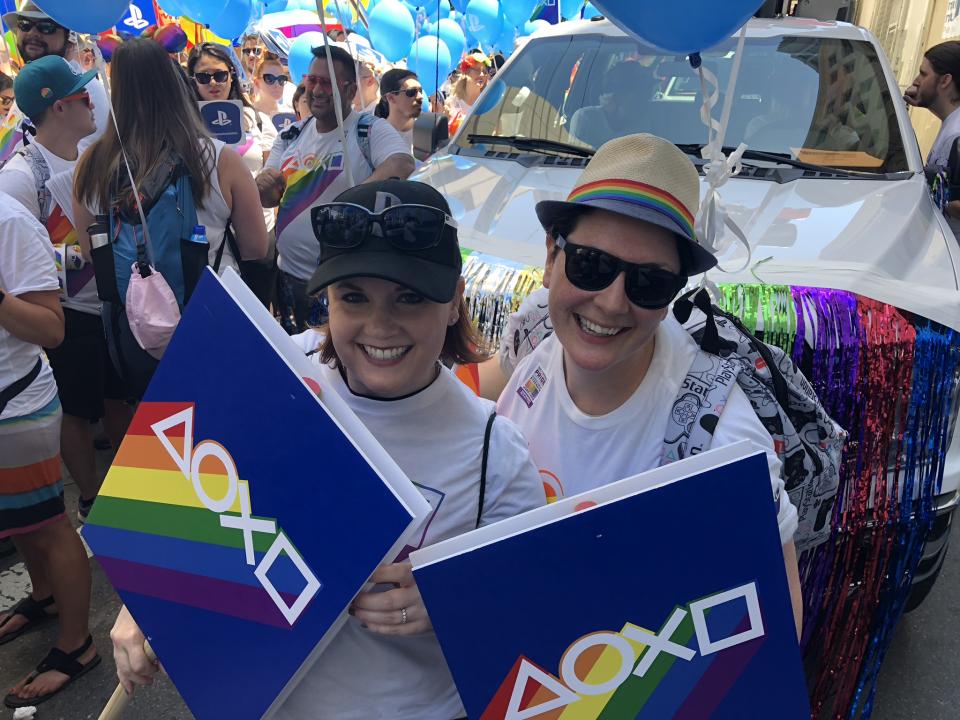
(271, 79)
(409, 92)
(252, 51)
(406, 227)
(646, 286)
(218, 76)
(45, 27)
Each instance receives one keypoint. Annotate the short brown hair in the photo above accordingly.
(461, 344)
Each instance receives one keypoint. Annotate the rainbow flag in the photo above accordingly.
(11, 134)
(235, 550)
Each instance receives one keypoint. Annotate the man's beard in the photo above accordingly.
(29, 57)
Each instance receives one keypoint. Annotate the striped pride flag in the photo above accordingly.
(11, 135)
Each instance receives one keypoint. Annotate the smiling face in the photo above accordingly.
(387, 336)
(213, 90)
(320, 90)
(33, 44)
(603, 334)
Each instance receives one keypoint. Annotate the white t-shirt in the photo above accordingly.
(436, 437)
(577, 452)
(16, 179)
(26, 265)
(949, 131)
(313, 166)
(257, 140)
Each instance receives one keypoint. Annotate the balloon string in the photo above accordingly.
(712, 220)
(337, 108)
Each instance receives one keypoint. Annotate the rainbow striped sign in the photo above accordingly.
(662, 596)
(11, 135)
(226, 524)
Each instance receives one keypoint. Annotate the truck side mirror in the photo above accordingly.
(430, 133)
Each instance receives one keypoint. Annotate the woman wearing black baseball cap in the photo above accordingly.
(390, 265)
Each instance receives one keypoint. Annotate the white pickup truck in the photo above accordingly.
(832, 193)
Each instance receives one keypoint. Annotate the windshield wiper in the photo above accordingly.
(783, 158)
(534, 144)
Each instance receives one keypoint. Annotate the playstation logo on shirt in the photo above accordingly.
(224, 120)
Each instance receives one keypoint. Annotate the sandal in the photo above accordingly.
(33, 611)
(58, 660)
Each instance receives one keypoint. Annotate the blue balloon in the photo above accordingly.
(452, 35)
(590, 12)
(508, 36)
(668, 26)
(203, 11)
(460, 5)
(272, 7)
(391, 29)
(518, 11)
(484, 21)
(429, 58)
(88, 18)
(491, 97)
(529, 28)
(173, 7)
(234, 19)
(301, 55)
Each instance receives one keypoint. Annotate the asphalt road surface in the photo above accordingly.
(919, 680)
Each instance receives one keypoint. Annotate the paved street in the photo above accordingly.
(918, 682)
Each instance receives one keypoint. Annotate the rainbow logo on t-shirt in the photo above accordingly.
(62, 232)
(305, 186)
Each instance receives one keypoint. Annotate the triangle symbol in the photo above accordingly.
(529, 672)
(180, 457)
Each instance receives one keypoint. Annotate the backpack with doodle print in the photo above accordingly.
(807, 441)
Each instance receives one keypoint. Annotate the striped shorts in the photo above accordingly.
(31, 489)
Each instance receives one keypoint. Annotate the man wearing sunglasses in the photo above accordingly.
(251, 52)
(37, 35)
(593, 398)
(307, 165)
(401, 101)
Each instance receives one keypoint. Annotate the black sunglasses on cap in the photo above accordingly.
(204, 78)
(45, 27)
(646, 286)
(271, 79)
(406, 227)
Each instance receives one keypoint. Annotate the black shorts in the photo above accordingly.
(82, 368)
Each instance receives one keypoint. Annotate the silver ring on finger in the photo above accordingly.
(403, 616)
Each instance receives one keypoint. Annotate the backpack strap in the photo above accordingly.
(41, 174)
(700, 400)
(364, 123)
(483, 464)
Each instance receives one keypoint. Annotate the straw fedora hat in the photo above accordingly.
(30, 11)
(643, 177)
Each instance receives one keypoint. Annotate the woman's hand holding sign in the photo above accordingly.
(134, 666)
(395, 612)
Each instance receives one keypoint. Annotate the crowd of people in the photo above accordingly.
(364, 267)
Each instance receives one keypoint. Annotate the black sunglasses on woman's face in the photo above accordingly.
(218, 76)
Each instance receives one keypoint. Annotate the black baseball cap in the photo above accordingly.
(434, 272)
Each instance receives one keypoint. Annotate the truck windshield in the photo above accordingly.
(820, 101)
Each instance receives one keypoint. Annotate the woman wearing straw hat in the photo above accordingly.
(619, 250)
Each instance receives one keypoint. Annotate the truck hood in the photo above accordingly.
(881, 239)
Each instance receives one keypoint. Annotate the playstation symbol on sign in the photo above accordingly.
(136, 19)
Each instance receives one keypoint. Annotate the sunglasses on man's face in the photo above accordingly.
(646, 286)
(271, 79)
(82, 96)
(405, 227)
(409, 92)
(44, 27)
(218, 76)
(255, 51)
(316, 81)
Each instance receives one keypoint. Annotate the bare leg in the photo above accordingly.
(76, 449)
(36, 567)
(68, 571)
(116, 420)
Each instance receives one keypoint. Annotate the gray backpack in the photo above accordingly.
(807, 441)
